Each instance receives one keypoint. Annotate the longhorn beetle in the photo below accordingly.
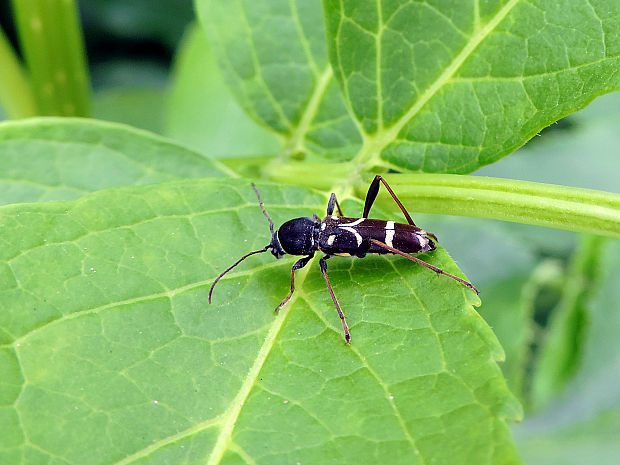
(339, 235)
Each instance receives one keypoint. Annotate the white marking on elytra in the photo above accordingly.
(358, 238)
(389, 233)
(323, 226)
(330, 239)
(355, 223)
(334, 217)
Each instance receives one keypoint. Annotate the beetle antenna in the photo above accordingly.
(231, 267)
(262, 207)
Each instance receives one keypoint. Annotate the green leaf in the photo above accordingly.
(582, 422)
(451, 86)
(274, 58)
(603, 345)
(110, 352)
(139, 107)
(561, 351)
(201, 110)
(61, 158)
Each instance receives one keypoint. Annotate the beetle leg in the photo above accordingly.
(296, 266)
(323, 264)
(330, 205)
(363, 249)
(427, 265)
(373, 190)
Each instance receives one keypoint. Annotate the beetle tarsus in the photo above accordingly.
(296, 266)
(345, 327)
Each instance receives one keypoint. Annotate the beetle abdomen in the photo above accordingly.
(341, 235)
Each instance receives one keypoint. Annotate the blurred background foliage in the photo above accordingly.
(551, 296)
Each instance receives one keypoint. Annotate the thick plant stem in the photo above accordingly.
(573, 209)
(15, 92)
(561, 207)
(53, 48)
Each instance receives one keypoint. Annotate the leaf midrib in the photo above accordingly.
(374, 144)
(231, 415)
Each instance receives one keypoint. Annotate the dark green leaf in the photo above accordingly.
(274, 57)
(452, 86)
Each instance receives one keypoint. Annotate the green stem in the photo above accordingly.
(322, 176)
(53, 48)
(15, 92)
(570, 208)
(249, 167)
(573, 209)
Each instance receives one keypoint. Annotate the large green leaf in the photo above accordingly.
(274, 58)
(450, 86)
(61, 158)
(110, 352)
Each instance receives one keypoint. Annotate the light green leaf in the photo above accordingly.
(274, 58)
(139, 107)
(110, 352)
(60, 158)
(451, 86)
(202, 112)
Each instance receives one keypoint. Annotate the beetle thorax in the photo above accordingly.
(298, 236)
